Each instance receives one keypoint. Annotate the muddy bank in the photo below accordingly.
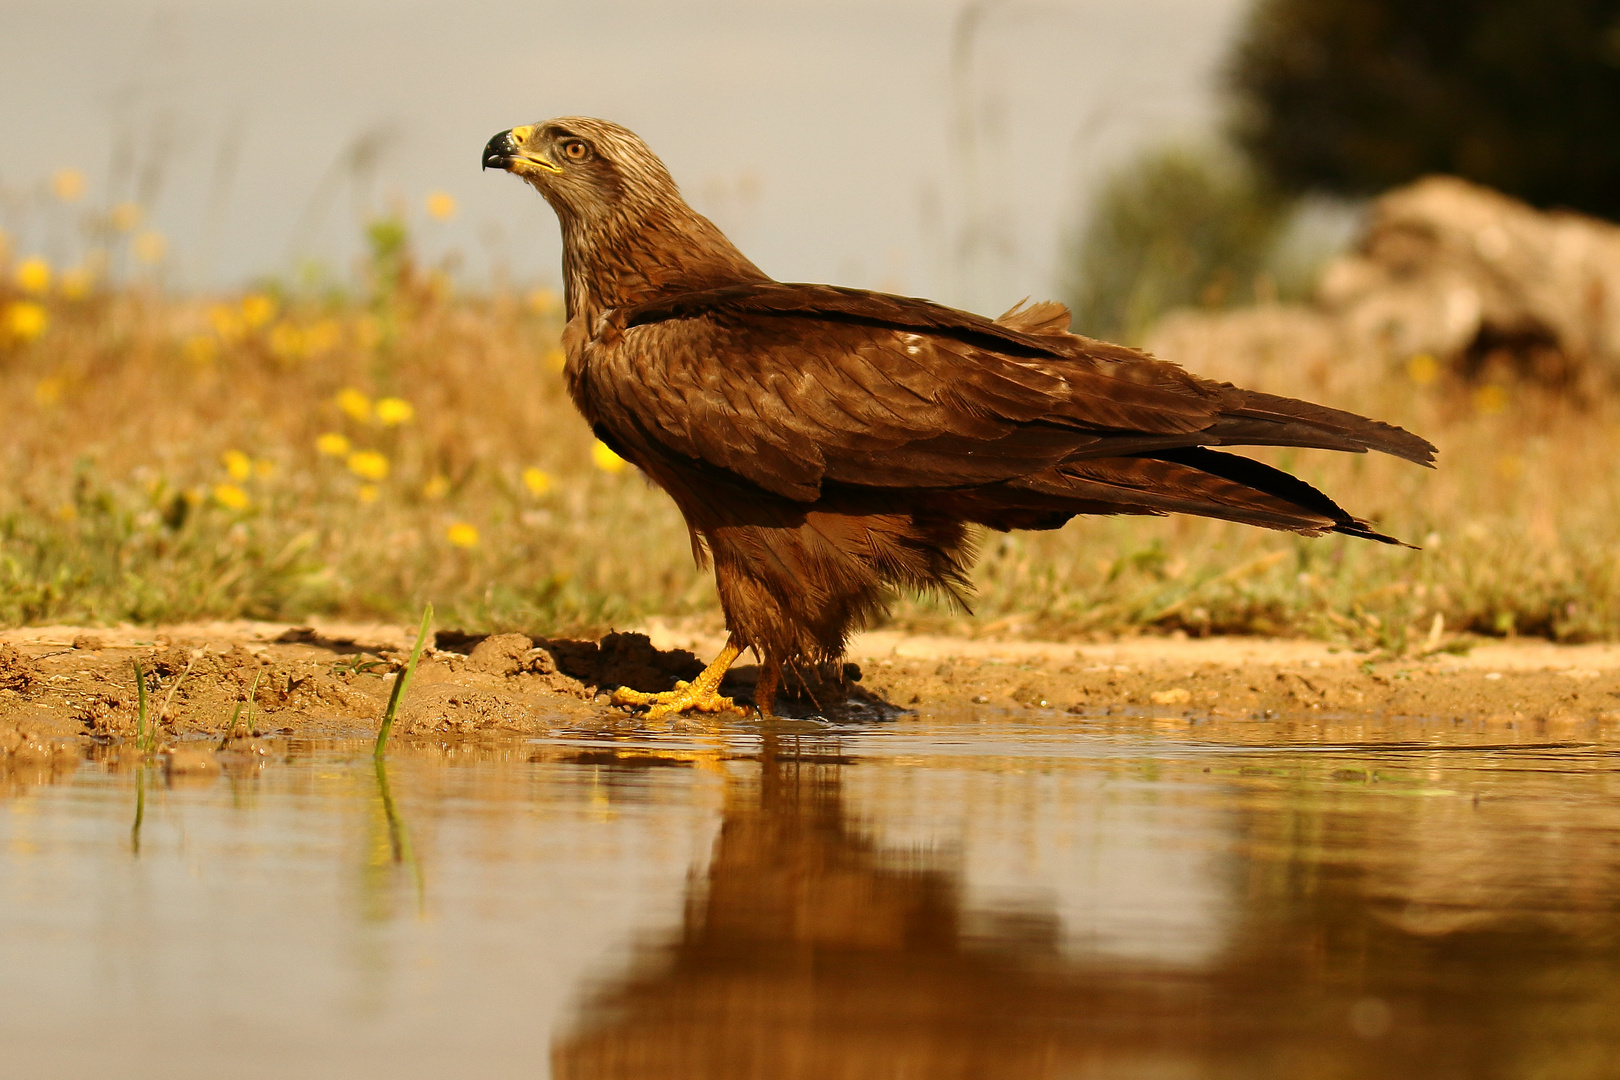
(62, 688)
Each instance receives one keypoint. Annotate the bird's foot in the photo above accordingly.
(686, 697)
(699, 695)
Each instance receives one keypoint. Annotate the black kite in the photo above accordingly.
(827, 445)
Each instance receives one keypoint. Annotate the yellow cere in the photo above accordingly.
(332, 444)
(393, 411)
(368, 465)
(355, 405)
(462, 535)
(231, 497)
(238, 464)
(536, 481)
(606, 459)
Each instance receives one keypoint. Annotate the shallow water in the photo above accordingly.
(963, 894)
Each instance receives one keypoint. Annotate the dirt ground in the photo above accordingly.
(65, 688)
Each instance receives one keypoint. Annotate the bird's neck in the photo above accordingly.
(623, 260)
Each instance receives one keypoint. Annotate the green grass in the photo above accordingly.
(122, 503)
(401, 683)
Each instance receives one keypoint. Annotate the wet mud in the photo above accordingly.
(62, 688)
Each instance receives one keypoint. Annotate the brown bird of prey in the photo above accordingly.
(828, 445)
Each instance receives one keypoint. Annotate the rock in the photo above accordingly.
(1176, 695)
(1488, 287)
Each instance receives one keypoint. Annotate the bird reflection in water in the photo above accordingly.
(809, 950)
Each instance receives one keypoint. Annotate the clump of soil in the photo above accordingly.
(17, 671)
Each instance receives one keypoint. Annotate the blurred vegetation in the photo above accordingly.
(1176, 227)
(298, 450)
(1357, 96)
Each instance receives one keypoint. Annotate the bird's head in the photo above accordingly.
(628, 236)
(589, 170)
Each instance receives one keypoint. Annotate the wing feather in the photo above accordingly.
(788, 386)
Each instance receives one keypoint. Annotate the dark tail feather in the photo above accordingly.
(1250, 418)
(1275, 482)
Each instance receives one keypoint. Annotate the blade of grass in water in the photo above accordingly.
(140, 811)
(140, 708)
(402, 681)
(236, 713)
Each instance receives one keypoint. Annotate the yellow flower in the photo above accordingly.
(355, 404)
(1423, 369)
(48, 391)
(536, 481)
(1491, 400)
(322, 336)
(392, 411)
(67, 184)
(367, 493)
(367, 331)
(201, 349)
(556, 359)
(227, 323)
(26, 320)
(124, 217)
(238, 464)
(606, 459)
(332, 444)
(76, 283)
(288, 342)
(257, 309)
(542, 301)
(462, 535)
(150, 247)
(436, 488)
(368, 465)
(34, 276)
(231, 497)
(441, 206)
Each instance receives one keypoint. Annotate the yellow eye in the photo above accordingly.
(575, 150)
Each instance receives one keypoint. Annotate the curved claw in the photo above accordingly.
(684, 698)
(699, 695)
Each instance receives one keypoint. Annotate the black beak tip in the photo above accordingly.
(498, 151)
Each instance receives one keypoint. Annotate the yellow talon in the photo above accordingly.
(699, 695)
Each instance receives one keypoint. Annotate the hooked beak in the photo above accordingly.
(505, 151)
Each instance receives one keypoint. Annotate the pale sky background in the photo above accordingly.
(823, 136)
